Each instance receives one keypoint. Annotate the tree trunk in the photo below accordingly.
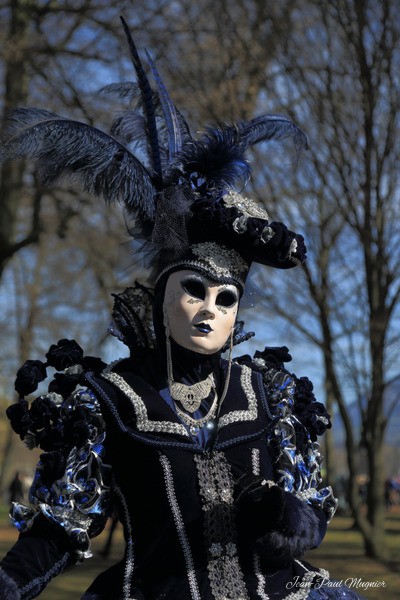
(15, 94)
(329, 442)
(375, 542)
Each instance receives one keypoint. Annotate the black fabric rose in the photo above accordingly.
(280, 240)
(19, 418)
(245, 359)
(93, 363)
(215, 217)
(64, 354)
(316, 419)
(274, 356)
(29, 376)
(82, 425)
(52, 437)
(82, 432)
(63, 384)
(53, 466)
(312, 414)
(304, 394)
(255, 228)
(42, 412)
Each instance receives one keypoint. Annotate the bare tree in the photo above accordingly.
(60, 247)
(339, 79)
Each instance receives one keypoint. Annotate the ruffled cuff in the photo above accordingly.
(322, 499)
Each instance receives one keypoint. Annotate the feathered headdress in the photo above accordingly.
(179, 191)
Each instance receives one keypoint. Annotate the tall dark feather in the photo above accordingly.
(62, 147)
(123, 89)
(130, 127)
(269, 127)
(148, 104)
(170, 116)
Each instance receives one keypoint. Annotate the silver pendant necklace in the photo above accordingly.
(207, 421)
(190, 396)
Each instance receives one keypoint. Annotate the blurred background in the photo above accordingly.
(333, 66)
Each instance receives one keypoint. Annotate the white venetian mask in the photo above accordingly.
(201, 313)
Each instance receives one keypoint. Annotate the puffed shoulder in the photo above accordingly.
(289, 394)
(298, 419)
(71, 487)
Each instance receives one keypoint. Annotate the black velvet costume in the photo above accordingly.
(223, 513)
(202, 516)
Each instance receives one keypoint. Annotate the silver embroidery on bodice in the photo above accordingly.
(216, 492)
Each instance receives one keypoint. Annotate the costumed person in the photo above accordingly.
(16, 489)
(211, 463)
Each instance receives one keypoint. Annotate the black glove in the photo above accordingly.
(260, 505)
(277, 524)
(39, 555)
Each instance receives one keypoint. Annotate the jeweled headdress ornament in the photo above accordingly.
(178, 191)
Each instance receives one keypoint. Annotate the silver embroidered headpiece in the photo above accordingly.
(213, 260)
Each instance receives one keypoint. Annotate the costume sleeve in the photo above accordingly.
(298, 419)
(286, 517)
(70, 494)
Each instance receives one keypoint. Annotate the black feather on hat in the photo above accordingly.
(180, 193)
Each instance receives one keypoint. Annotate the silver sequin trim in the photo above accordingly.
(255, 467)
(260, 578)
(243, 415)
(37, 584)
(143, 421)
(180, 528)
(255, 461)
(129, 563)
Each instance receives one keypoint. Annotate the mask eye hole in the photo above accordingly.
(226, 298)
(194, 287)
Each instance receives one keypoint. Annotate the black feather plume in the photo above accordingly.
(171, 120)
(220, 155)
(130, 126)
(217, 156)
(123, 89)
(65, 148)
(269, 127)
(148, 104)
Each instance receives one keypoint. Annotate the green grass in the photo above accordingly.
(341, 554)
